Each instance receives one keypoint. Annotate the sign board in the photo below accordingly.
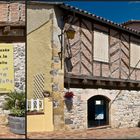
(99, 117)
(98, 102)
(6, 68)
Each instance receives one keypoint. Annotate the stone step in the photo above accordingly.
(100, 127)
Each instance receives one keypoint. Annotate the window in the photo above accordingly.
(101, 46)
(134, 54)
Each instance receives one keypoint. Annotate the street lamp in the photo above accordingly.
(70, 33)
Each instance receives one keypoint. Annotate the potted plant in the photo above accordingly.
(68, 100)
(69, 95)
(15, 102)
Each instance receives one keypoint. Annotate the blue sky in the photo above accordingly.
(116, 11)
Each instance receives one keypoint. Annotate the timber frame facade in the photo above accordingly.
(81, 70)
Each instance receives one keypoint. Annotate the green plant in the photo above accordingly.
(15, 102)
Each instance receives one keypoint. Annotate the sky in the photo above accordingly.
(116, 11)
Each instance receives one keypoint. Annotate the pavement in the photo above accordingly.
(6, 134)
(108, 133)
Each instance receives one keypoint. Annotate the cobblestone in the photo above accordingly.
(108, 133)
(6, 134)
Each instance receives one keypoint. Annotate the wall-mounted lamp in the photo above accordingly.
(70, 33)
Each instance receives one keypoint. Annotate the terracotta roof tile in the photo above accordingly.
(98, 18)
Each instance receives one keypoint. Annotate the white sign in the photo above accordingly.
(98, 102)
(99, 117)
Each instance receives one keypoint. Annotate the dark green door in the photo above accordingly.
(98, 112)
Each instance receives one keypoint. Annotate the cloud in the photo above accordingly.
(131, 2)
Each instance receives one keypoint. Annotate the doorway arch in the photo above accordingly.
(98, 111)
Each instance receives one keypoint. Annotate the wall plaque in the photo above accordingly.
(6, 68)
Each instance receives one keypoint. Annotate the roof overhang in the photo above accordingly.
(131, 22)
(99, 19)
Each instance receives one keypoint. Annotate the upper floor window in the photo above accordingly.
(101, 46)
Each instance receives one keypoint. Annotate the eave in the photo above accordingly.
(100, 19)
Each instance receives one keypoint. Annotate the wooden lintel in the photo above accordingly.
(110, 83)
(98, 82)
(84, 82)
(12, 24)
(129, 84)
(136, 84)
(100, 78)
(9, 39)
(118, 83)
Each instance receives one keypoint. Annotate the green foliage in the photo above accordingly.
(15, 102)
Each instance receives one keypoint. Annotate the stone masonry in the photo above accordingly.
(14, 12)
(19, 75)
(57, 72)
(124, 108)
(19, 66)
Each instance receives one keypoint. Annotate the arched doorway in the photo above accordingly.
(98, 111)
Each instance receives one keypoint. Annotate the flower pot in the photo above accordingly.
(69, 103)
(69, 94)
(16, 124)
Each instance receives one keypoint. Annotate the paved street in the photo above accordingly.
(5, 133)
(122, 133)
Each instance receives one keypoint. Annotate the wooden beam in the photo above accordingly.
(100, 78)
(107, 83)
(13, 24)
(9, 39)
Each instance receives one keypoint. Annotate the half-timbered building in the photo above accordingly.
(99, 66)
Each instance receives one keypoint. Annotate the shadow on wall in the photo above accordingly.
(139, 123)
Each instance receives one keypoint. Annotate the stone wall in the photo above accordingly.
(19, 77)
(19, 66)
(124, 108)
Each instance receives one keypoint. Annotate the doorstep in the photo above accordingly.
(99, 127)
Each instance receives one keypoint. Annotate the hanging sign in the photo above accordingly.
(6, 68)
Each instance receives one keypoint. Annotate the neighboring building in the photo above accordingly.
(12, 51)
(100, 65)
(133, 24)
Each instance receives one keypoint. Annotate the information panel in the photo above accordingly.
(6, 68)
